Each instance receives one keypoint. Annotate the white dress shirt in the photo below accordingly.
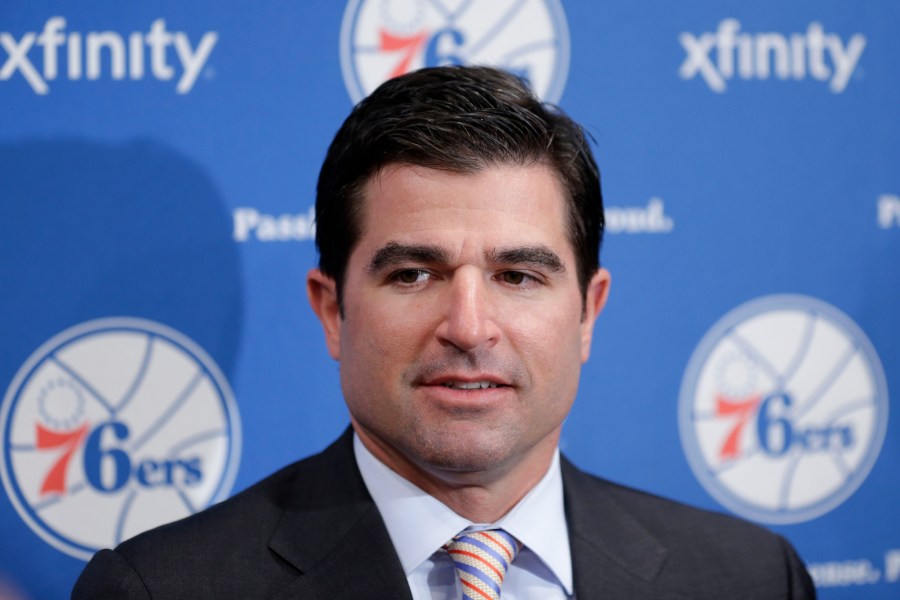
(420, 525)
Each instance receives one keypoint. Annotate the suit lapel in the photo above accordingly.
(333, 534)
(613, 555)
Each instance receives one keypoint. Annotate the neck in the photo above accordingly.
(482, 496)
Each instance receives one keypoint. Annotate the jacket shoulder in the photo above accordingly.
(692, 552)
(225, 551)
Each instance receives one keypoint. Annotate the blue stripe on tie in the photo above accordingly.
(488, 549)
(479, 574)
(509, 539)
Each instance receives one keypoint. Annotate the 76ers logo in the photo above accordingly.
(113, 427)
(381, 39)
(783, 409)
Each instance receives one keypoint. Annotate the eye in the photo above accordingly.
(516, 278)
(410, 276)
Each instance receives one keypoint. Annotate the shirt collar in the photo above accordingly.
(420, 524)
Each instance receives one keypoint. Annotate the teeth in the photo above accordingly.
(474, 385)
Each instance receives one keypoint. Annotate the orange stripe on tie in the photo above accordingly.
(466, 583)
(499, 543)
(472, 552)
(480, 559)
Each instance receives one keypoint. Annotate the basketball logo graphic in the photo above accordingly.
(381, 39)
(783, 409)
(113, 427)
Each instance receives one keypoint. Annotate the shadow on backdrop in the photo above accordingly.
(91, 230)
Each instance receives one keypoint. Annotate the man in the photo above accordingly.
(459, 224)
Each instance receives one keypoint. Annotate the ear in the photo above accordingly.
(322, 293)
(594, 301)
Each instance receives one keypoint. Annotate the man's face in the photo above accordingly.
(463, 333)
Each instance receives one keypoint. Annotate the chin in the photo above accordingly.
(468, 452)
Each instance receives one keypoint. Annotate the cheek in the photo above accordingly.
(552, 344)
(381, 339)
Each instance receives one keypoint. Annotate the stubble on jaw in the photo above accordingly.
(462, 448)
(464, 440)
(472, 478)
(449, 449)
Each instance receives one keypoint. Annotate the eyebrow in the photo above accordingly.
(395, 254)
(534, 256)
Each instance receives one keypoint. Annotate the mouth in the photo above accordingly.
(467, 381)
(471, 385)
(469, 393)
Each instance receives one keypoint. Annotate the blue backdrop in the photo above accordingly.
(157, 173)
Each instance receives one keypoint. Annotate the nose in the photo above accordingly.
(468, 320)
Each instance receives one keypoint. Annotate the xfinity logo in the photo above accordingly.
(720, 56)
(74, 55)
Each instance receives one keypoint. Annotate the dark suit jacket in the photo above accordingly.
(311, 531)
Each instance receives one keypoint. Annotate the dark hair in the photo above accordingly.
(458, 119)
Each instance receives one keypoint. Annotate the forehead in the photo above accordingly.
(497, 205)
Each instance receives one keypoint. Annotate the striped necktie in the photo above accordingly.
(482, 559)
